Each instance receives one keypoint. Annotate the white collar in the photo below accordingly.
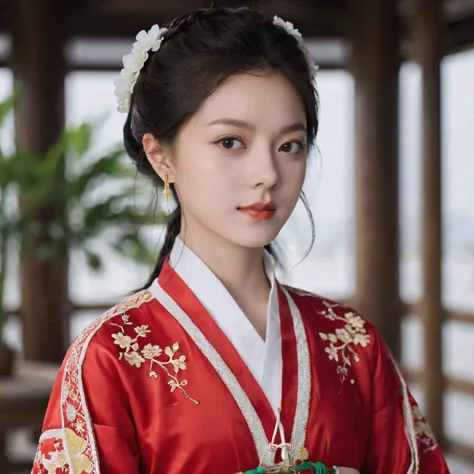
(263, 358)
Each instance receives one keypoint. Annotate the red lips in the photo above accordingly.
(259, 206)
(259, 210)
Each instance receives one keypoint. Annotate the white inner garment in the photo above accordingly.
(263, 358)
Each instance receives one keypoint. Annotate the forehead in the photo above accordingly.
(264, 100)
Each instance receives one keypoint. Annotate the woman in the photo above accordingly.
(214, 367)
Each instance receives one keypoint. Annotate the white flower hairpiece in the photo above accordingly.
(291, 30)
(151, 41)
(134, 62)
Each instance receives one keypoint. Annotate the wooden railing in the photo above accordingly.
(462, 386)
(460, 316)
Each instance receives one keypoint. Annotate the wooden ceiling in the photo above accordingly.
(123, 18)
(316, 19)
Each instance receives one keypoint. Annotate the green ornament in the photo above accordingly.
(319, 468)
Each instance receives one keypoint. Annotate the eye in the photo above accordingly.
(294, 147)
(229, 143)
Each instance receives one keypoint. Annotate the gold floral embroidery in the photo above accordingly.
(136, 355)
(341, 341)
(74, 409)
(424, 433)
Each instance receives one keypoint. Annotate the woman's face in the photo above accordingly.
(239, 164)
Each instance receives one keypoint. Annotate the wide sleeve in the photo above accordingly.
(401, 440)
(88, 426)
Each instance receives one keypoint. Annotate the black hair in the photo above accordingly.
(198, 52)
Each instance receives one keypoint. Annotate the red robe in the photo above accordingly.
(154, 386)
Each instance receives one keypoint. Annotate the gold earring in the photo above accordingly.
(167, 208)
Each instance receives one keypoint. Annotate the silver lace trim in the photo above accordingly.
(81, 344)
(298, 437)
(253, 421)
(409, 424)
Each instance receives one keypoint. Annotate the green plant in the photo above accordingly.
(70, 197)
(7, 225)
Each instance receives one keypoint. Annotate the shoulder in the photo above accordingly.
(313, 300)
(328, 313)
(99, 334)
(347, 335)
(344, 333)
(82, 386)
(93, 355)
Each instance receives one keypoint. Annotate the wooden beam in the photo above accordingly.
(460, 316)
(448, 315)
(463, 386)
(455, 384)
(318, 19)
(102, 25)
(375, 65)
(124, 18)
(427, 25)
(296, 9)
(460, 450)
(459, 36)
(457, 9)
(145, 7)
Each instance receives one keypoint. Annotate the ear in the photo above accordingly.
(159, 157)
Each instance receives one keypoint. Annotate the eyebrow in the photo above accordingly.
(294, 127)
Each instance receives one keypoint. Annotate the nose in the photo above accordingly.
(264, 170)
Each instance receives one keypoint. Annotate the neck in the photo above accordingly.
(240, 269)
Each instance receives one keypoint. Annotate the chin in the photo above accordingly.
(254, 238)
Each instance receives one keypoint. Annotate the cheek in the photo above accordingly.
(292, 175)
(203, 169)
(204, 186)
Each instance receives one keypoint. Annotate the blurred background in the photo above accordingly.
(390, 186)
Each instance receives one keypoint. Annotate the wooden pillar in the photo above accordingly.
(427, 49)
(3, 452)
(39, 71)
(375, 66)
